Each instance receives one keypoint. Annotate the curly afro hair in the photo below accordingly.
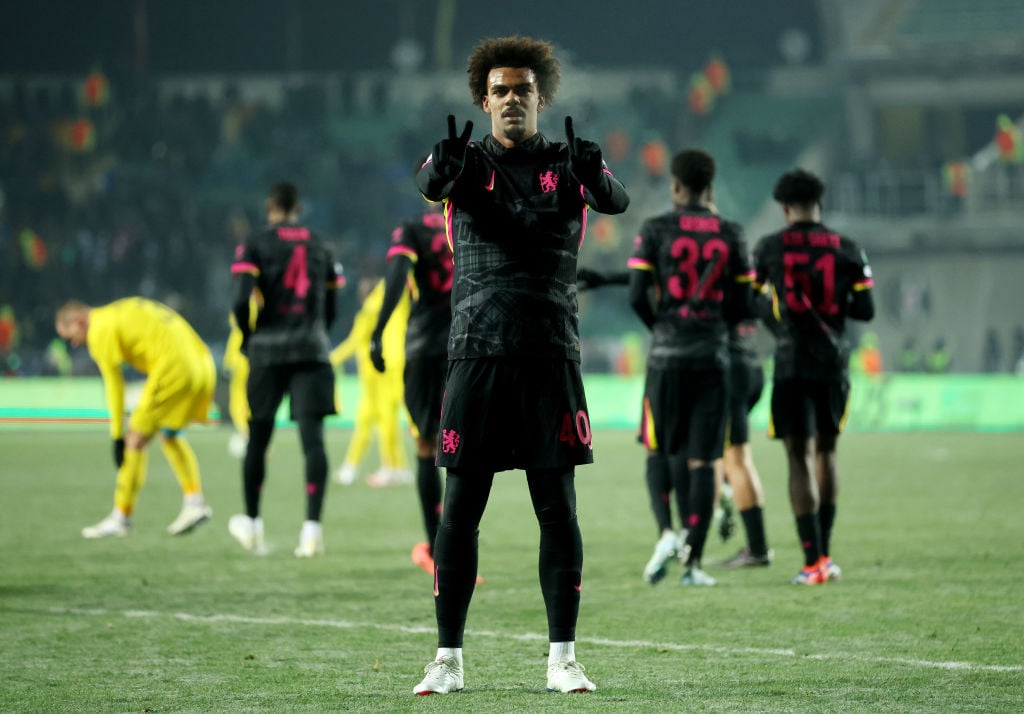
(514, 52)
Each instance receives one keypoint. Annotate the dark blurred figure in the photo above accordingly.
(911, 359)
(939, 361)
(992, 357)
(1017, 354)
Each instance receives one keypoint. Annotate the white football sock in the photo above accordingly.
(562, 652)
(453, 652)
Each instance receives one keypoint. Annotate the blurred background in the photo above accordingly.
(138, 139)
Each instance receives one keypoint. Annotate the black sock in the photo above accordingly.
(560, 561)
(311, 432)
(753, 524)
(254, 467)
(456, 556)
(826, 517)
(456, 560)
(659, 489)
(561, 571)
(680, 474)
(702, 510)
(810, 537)
(428, 487)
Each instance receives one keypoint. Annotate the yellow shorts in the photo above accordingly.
(175, 395)
(380, 398)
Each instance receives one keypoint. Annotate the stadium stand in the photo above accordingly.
(943, 21)
(756, 137)
(146, 189)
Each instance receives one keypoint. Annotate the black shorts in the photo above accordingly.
(807, 407)
(501, 414)
(310, 386)
(685, 412)
(424, 387)
(746, 382)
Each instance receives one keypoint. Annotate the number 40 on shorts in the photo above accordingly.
(574, 428)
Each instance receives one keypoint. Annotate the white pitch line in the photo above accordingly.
(529, 637)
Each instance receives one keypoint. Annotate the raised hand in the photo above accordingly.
(584, 156)
(450, 154)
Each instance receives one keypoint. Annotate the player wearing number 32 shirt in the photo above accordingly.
(816, 279)
(293, 271)
(698, 263)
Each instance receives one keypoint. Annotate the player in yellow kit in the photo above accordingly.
(381, 395)
(180, 379)
(236, 364)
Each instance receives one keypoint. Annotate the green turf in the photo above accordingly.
(929, 616)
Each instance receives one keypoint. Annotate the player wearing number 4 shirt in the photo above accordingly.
(515, 207)
(698, 262)
(294, 272)
(816, 279)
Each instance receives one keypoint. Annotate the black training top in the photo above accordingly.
(816, 279)
(424, 242)
(294, 271)
(699, 263)
(516, 219)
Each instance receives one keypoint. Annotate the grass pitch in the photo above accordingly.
(929, 616)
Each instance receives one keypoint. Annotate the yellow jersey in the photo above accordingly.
(144, 334)
(358, 341)
(233, 357)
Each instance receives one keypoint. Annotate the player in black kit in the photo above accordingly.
(746, 382)
(698, 261)
(816, 279)
(420, 247)
(515, 206)
(657, 476)
(294, 272)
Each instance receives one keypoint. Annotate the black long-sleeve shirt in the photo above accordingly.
(421, 247)
(817, 279)
(295, 272)
(516, 219)
(700, 264)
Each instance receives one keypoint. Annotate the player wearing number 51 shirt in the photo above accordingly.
(816, 279)
(698, 263)
(295, 273)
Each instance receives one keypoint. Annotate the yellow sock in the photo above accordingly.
(130, 478)
(357, 444)
(238, 401)
(183, 464)
(391, 454)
